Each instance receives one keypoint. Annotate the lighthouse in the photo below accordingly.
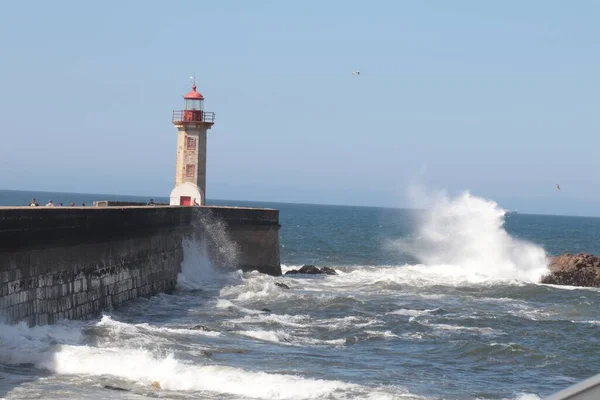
(192, 124)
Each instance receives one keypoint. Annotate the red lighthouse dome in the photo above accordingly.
(193, 94)
(194, 100)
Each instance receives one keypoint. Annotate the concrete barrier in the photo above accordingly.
(74, 262)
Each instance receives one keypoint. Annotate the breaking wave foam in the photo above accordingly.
(143, 367)
(61, 349)
(281, 336)
(411, 312)
(466, 235)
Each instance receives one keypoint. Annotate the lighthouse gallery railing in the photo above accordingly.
(193, 116)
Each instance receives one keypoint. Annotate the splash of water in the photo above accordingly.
(196, 267)
(212, 232)
(208, 256)
(466, 235)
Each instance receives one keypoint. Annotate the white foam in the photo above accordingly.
(564, 287)
(177, 331)
(296, 321)
(23, 345)
(59, 350)
(413, 336)
(527, 396)
(530, 313)
(284, 337)
(591, 322)
(143, 367)
(285, 268)
(224, 304)
(344, 323)
(369, 279)
(410, 312)
(465, 237)
(268, 336)
(145, 333)
(257, 288)
(385, 334)
(480, 330)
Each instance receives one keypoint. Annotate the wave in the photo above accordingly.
(412, 313)
(145, 367)
(63, 350)
(23, 345)
(457, 328)
(466, 235)
(284, 337)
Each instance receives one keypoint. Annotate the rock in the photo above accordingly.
(118, 388)
(309, 269)
(266, 310)
(574, 270)
(312, 270)
(282, 285)
(201, 328)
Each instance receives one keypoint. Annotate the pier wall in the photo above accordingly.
(75, 262)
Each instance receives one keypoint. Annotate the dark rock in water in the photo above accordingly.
(201, 328)
(574, 270)
(282, 285)
(309, 269)
(111, 387)
(312, 270)
(266, 310)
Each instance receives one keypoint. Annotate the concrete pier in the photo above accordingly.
(74, 262)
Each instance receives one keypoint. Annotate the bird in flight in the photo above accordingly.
(356, 73)
(557, 186)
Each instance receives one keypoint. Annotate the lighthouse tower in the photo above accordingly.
(192, 123)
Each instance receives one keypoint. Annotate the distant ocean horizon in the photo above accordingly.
(15, 197)
(21, 197)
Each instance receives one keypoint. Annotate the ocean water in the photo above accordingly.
(436, 304)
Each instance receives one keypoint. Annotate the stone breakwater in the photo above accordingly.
(79, 281)
(574, 270)
(76, 262)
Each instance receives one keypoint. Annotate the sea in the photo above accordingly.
(441, 302)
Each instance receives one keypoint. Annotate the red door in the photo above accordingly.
(185, 201)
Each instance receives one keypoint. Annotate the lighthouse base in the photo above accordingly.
(187, 194)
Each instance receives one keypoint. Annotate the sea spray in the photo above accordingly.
(196, 268)
(223, 252)
(208, 255)
(466, 235)
(21, 344)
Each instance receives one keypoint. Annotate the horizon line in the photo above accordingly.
(297, 203)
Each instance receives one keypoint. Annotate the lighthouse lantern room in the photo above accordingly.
(194, 100)
(192, 124)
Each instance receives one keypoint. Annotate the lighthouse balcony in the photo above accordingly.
(181, 116)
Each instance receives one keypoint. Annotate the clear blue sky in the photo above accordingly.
(499, 98)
